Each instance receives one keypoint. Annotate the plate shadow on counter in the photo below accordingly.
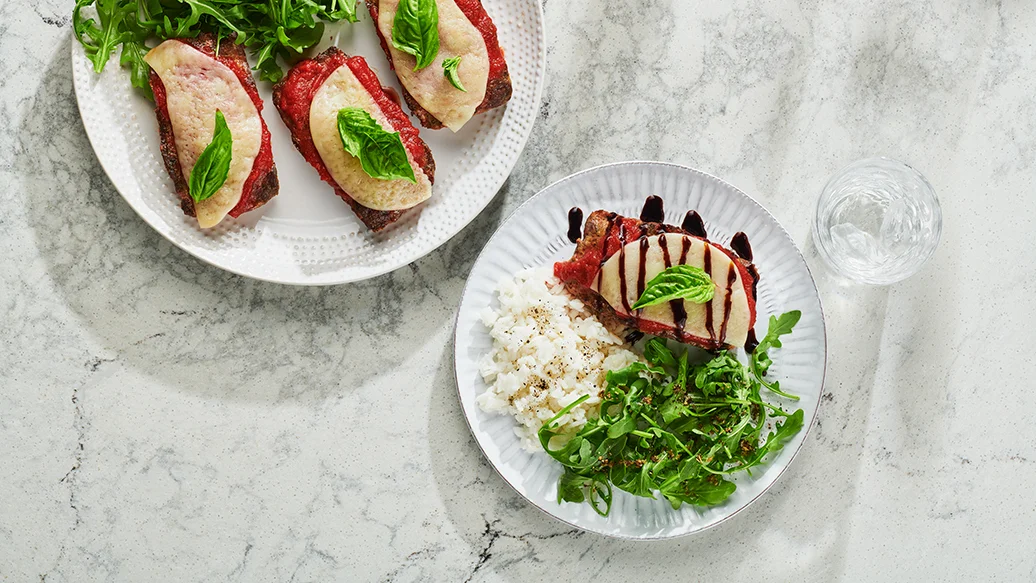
(159, 310)
(803, 522)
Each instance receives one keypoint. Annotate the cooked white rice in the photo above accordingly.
(548, 350)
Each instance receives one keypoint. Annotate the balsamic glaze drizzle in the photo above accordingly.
(653, 210)
(575, 224)
(622, 269)
(751, 343)
(707, 266)
(728, 299)
(641, 268)
(741, 246)
(693, 224)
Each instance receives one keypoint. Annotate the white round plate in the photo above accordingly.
(535, 235)
(307, 235)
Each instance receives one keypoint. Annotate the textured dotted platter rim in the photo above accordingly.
(307, 235)
(535, 235)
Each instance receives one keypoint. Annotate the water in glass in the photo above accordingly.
(878, 221)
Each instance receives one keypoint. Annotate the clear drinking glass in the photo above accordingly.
(877, 221)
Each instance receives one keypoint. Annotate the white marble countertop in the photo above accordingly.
(161, 420)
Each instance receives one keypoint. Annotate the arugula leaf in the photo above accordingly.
(133, 52)
(210, 171)
(199, 8)
(415, 30)
(335, 10)
(676, 282)
(381, 153)
(100, 41)
(759, 361)
(775, 440)
(572, 487)
(628, 375)
(449, 67)
(658, 354)
(622, 427)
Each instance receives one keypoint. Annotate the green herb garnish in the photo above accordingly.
(415, 30)
(381, 153)
(760, 360)
(283, 28)
(677, 282)
(210, 171)
(674, 428)
(449, 67)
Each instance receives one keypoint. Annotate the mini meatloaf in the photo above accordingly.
(465, 31)
(309, 98)
(191, 82)
(617, 256)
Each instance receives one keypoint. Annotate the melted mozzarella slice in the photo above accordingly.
(429, 86)
(342, 89)
(611, 280)
(196, 86)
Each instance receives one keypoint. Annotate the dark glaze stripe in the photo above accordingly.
(707, 266)
(755, 281)
(693, 224)
(728, 300)
(575, 224)
(622, 269)
(677, 305)
(642, 268)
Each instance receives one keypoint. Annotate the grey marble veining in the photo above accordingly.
(161, 420)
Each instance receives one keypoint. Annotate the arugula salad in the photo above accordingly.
(676, 426)
(271, 29)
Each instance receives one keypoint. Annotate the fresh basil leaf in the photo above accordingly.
(381, 153)
(449, 67)
(415, 30)
(210, 171)
(677, 282)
